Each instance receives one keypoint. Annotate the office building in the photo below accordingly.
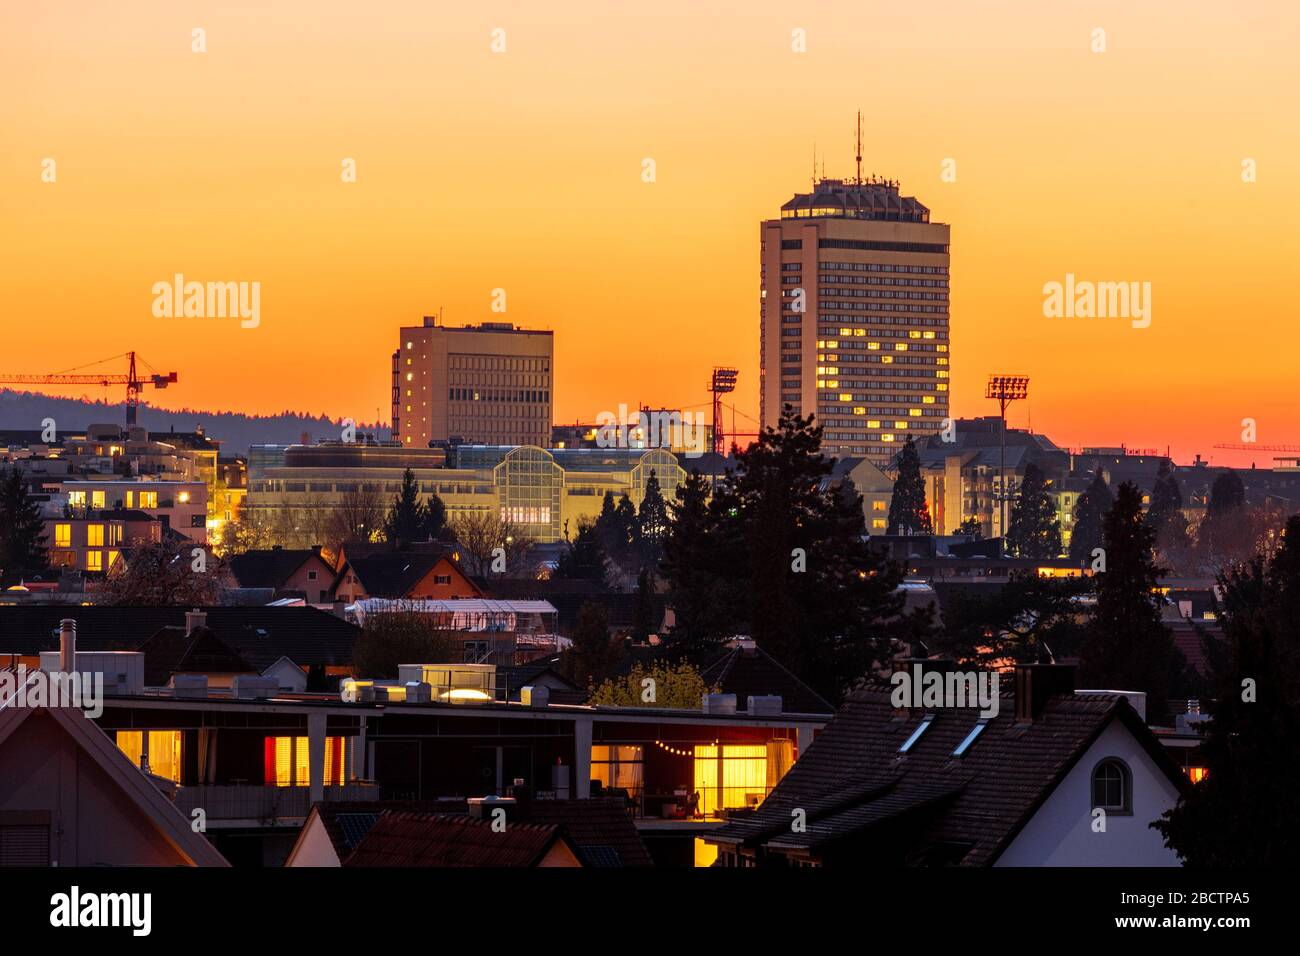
(482, 384)
(854, 316)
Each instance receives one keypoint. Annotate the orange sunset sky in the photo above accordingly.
(522, 170)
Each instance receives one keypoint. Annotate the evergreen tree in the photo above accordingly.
(817, 597)
(436, 526)
(592, 657)
(908, 511)
(1034, 530)
(584, 558)
(1089, 517)
(1127, 645)
(696, 580)
(405, 523)
(652, 522)
(627, 531)
(1165, 515)
(643, 609)
(1246, 810)
(971, 526)
(22, 537)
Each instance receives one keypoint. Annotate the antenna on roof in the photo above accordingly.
(859, 152)
(814, 171)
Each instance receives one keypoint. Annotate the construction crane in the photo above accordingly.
(1251, 446)
(132, 380)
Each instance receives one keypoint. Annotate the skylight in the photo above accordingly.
(916, 734)
(970, 738)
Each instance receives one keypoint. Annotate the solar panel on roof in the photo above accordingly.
(355, 826)
(599, 854)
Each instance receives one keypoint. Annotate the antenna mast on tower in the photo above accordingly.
(859, 152)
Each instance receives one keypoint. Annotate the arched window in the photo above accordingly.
(1112, 786)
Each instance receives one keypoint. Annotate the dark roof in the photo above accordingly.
(171, 651)
(937, 808)
(262, 635)
(404, 838)
(600, 830)
(269, 568)
(510, 678)
(751, 670)
(568, 596)
(392, 574)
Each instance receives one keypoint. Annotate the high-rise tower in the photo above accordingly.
(854, 316)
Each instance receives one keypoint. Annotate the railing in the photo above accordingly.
(266, 805)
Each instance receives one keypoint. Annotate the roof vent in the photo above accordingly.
(719, 703)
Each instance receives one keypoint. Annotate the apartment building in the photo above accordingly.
(854, 316)
(483, 384)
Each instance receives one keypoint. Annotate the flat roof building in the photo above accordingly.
(854, 316)
(488, 383)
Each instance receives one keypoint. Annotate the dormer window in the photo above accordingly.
(1112, 786)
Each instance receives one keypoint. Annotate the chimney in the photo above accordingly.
(195, 619)
(68, 645)
(1036, 684)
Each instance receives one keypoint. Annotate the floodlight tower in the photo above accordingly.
(1005, 389)
(721, 382)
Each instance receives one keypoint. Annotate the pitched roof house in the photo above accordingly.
(402, 575)
(80, 801)
(599, 830)
(1056, 778)
(403, 838)
(287, 572)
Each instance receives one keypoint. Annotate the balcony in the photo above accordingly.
(242, 805)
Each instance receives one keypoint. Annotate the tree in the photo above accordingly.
(593, 654)
(489, 543)
(695, 573)
(1127, 645)
(358, 515)
(794, 553)
(643, 616)
(584, 558)
(908, 511)
(402, 637)
(22, 536)
(166, 573)
(1089, 517)
(1245, 812)
(971, 526)
(1223, 536)
(405, 522)
(671, 685)
(652, 522)
(1165, 515)
(1031, 619)
(1034, 530)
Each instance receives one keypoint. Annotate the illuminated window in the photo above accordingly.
(619, 766)
(63, 535)
(77, 498)
(914, 412)
(878, 505)
(739, 775)
(97, 499)
(286, 762)
(164, 754)
(878, 524)
(1112, 787)
(873, 423)
(1197, 774)
(94, 535)
(112, 557)
(148, 499)
(94, 560)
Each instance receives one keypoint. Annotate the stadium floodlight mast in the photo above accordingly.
(1005, 389)
(721, 382)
